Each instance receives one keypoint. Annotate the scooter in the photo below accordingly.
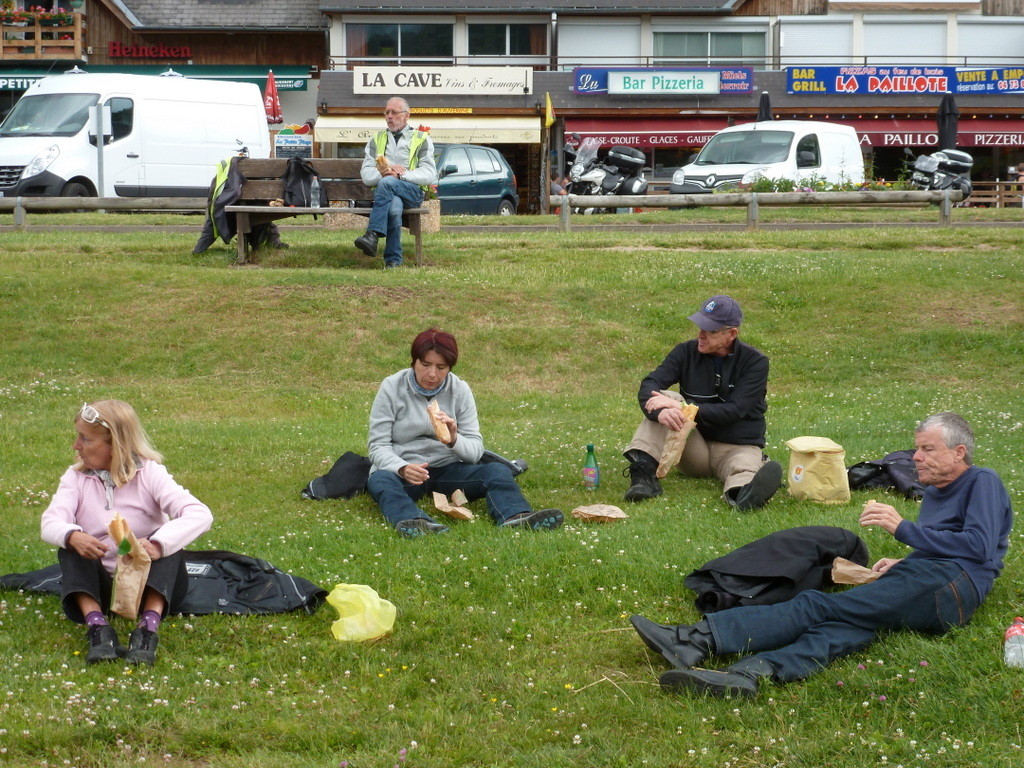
(619, 172)
(945, 169)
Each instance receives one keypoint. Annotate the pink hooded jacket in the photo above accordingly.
(155, 506)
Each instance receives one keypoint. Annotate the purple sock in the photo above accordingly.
(150, 620)
(95, 619)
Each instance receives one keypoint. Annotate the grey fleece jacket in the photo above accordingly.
(400, 431)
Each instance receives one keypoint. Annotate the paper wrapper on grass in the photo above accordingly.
(848, 572)
(455, 508)
(599, 513)
(132, 569)
(676, 440)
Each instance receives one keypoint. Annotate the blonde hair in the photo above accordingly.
(129, 442)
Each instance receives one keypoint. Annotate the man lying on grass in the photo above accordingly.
(958, 541)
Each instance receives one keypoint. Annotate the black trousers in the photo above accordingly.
(167, 576)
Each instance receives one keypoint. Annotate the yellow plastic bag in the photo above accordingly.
(817, 470)
(364, 614)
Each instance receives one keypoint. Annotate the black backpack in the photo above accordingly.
(298, 180)
(895, 470)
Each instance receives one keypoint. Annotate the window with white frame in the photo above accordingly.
(710, 48)
(507, 39)
(391, 43)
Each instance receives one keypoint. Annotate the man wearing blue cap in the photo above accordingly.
(727, 380)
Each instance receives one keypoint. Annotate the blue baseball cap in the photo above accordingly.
(718, 312)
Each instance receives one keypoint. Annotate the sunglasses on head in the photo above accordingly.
(90, 415)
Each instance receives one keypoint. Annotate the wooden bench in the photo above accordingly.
(264, 181)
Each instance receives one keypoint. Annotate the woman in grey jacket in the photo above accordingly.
(409, 460)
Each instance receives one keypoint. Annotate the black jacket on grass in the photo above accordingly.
(731, 400)
(775, 567)
(218, 582)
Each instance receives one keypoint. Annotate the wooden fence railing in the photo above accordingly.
(753, 201)
(20, 205)
(996, 194)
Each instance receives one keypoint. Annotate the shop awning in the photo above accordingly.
(883, 132)
(653, 132)
(459, 129)
(980, 132)
(289, 78)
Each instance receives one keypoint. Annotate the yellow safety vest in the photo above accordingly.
(418, 137)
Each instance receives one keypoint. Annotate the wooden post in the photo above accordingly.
(19, 215)
(944, 209)
(753, 212)
(563, 216)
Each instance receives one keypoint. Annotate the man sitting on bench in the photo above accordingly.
(399, 164)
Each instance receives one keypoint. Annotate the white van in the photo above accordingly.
(167, 134)
(798, 150)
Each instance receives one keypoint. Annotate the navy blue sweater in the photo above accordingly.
(967, 521)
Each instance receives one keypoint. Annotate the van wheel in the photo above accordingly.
(74, 189)
(505, 208)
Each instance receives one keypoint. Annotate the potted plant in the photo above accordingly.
(55, 17)
(13, 16)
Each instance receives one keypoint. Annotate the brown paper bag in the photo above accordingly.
(131, 572)
(675, 443)
(848, 572)
(817, 470)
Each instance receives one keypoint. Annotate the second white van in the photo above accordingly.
(799, 150)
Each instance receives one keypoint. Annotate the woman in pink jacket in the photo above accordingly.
(119, 471)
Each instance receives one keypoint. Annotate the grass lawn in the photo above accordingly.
(510, 649)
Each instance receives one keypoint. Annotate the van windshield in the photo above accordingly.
(51, 114)
(746, 148)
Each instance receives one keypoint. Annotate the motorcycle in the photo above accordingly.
(945, 169)
(619, 172)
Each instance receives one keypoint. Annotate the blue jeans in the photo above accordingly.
(801, 636)
(390, 197)
(493, 481)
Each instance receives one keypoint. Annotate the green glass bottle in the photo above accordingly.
(591, 472)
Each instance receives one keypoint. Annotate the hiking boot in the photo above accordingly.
(537, 520)
(760, 489)
(367, 242)
(142, 646)
(103, 644)
(419, 526)
(643, 484)
(739, 679)
(682, 646)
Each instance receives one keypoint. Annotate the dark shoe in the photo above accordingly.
(367, 243)
(538, 520)
(392, 264)
(419, 526)
(643, 484)
(103, 644)
(142, 646)
(739, 679)
(761, 487)
(682, 646)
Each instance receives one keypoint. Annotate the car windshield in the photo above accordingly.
(51, 114)
(746, 148)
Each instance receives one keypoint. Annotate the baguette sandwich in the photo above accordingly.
(441, 431)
